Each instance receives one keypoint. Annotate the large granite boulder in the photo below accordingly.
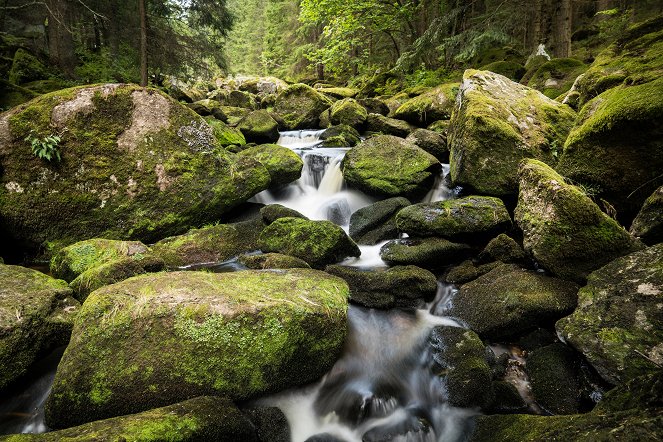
(429, 253)
(300, 106)
(259, 127)
(376, 222)
(497, 123)
(378, 123)
(348, 111)
(432, 142)
(157, 339)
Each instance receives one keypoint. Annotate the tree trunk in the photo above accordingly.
(60, 40)
(563, 29)
(143, 42)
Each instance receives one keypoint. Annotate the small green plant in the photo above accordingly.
(46, 148)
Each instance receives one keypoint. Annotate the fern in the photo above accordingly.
(45, 148)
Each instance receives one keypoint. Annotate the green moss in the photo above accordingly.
(224, 134)
(433, 105)
(25, 68)
(12, 95)
(648, 225)
(510, 69)
(300, 106)
(348, 112)
(430, 253)
(284, 165)
(339, 92)
(556, 76)
(259, 127)
(273, 261)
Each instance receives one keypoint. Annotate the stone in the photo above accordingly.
(259, 127)
(270, 422)
(208, 107)
(429, 253)
(380, 124)
(284, 165)
(300, 106)
(225, 135)
(467, 271)
(376, 222)
(348, 112)
(556, 76)
(273, 261)
(432, 142)
(340, 136)
(503, 248)
(436, 104)
(648, 224)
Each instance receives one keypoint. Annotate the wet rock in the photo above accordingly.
(319, 243)
(429, 253)
(300, 106)
(340, 136)
(284, 165)
(436, 104)
(432, 142)
(157, 339)
(473, 218)
(503, 248)
(225, 135)
(495, 125)
(376, 222)
(36, 315)
(324, 437)
(648, 225)
(642, 392)
(400, 286)
(259, 127)
(507, 399)
(374, 106)
(272, 212)
(388, 126)
(134, 164)
(273, 261)
(208, 107)
(467, 271)
(210, 244)
(348, 112)
(408, 427)
(390, 166)
(460, 359)
(563, 229)
(618, 324)
(536, 339)
(270, 423)
(616, 146)
(508, 300)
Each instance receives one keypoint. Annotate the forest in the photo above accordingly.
(331, 221)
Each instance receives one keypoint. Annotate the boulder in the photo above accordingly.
(467, 271)
(349, 112)
(317, 242)
(156, 339)
(242, 99)
(25, 68)
(284, 165)
(198, 419)
(300, 106)
(648, 225)
(12, 95)
(377, 123)
(270, 422)
(338, 92)
(235, 114)
(340, 136)
(36, 315)
(272, 212)
(376, 222)
(503, 248)
(374, 106)
(432, 142)
(182, 91)
(618, 324)
(272, 261)
(556, 76)
(563, 229)
(436, 104)
(429, 253)
(225, 135)
(390, 166)
(497, 123)
(133, 163)
(473, 219)
(210, 244)
(508, 300)
(396, 287)
(259, 127)
(208, 107)
(510, 69)
(507, 399)
(616, 146)
(263, 86)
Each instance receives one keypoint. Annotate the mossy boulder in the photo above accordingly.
(198, 419)
(349, 112)
(390, 166)
(259, 127)
(319, 243)
(12, 95)
(497, 123)
(460, 359)
(235, 98)
(616, 146)
(225, 135)
(134, 164)
(300, 106)
(270, 422)
(26, 67)
(338, 92)
(473, 218)
(432, 142)
(400, 286)
(272, 261)
(648, 225)
(468, 271)
(235, 114)
(340, 136)
(509, 300)
(284, 165)
(429, 253)
(618, 325)
(563, 229)
(209, 244)
(503, 248)
(380, 124)
(207, 107)
(556, 76)
(376, 222)
(374, 106)
(153, 340)
(436, 104)
(36, 315)
(512, 70)
(272, 212)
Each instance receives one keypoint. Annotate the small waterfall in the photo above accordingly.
(441, 190)
(300, 139)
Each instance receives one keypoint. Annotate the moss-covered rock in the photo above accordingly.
(199, 419)
(618, 325)
(617, 146)
(272, 212)
(512, 70)
(460, 359)
(374, 106)
(225, 135)
(642, 392)
(134, 164)
(262, 86)
(156, 339)
(503, 248)
(497, 123)
(319, 243)
(400, 286)
(467, 271)
(473, 218)
(556, 76)
(432, 142)
(284, 165)
(25, 68)
(235, 98)
(429, 253)
(508, 300)
(563, 229)
(339, 92)
(259, 127)
(507, 399)
(340, 136)
(272, 261)
(36, 315)
(12, 95)
(209, 244)
(270, 422)
(380, 124)
(300, 106)
(349, 112)
(235, 114)
(648, 225)
(430, 106)
(390, 166)
(207, 107)
(376, 222)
